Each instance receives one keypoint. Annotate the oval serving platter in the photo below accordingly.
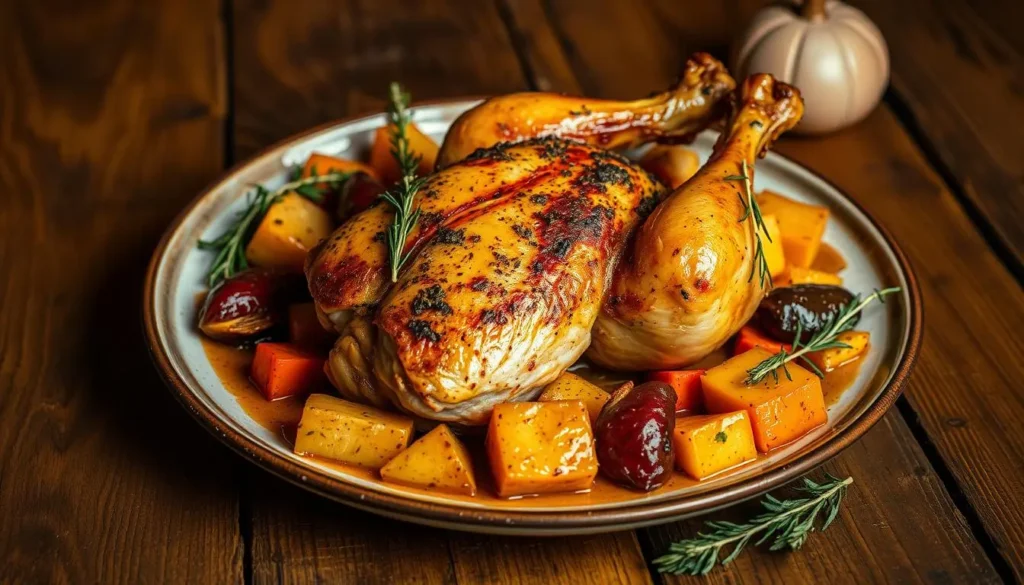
(175, 280)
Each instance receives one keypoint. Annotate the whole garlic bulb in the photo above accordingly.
(830, 51)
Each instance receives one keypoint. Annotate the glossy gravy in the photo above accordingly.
(282, 416)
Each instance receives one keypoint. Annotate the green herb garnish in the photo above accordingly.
(751, 209)
(826, 338)
(402, 195)
(790, 522)
(721, 437)
(230, 245)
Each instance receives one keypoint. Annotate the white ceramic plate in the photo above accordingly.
(175, 279)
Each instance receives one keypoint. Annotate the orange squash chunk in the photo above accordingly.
(352, 433)
(280, 370)
(569, 386)
(290, 228)
(541, 447)
(384, 163)
(437, 461)
(686, 383)
(750, 337)
(772, 246)
(802, 226)
(797, 275)
(706, 445)
(323, 164)
(780, 411)
(830, 359)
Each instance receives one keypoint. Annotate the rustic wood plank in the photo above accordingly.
(897, 555)
(303, 63)
(607, 558)
(958, 66)
(110, 121)
(897, 525)
(300, 538)
(966, 388)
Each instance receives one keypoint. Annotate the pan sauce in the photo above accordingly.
(282, 416)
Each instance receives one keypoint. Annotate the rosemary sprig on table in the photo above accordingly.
(790, 522)
(826, 338)
(751, 208)
(402, 195)
(230, 245)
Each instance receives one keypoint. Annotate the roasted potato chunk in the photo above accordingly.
(351, 433)
(569, 386)
(437, 461)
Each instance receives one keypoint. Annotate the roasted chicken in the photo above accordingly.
(677, 113)
(512, 254)
(685, 285)
(505, 285)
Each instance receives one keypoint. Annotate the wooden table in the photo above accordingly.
(113, 114)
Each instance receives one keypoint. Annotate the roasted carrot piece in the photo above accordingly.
(324, 164)
(750, 337)
(686, 383)
(304, 329)
(280, 370)
(419, 143)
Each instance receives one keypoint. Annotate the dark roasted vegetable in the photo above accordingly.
(248, 305)
(809, 305)
(633, 434)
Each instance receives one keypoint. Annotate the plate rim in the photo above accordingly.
(513, 521)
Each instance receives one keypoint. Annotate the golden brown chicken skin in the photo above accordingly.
(685, 286)
(501, 295)
(678, 112)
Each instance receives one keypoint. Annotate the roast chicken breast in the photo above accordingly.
(505, 284)
(348, 273)
(685, 285)
(678, 112)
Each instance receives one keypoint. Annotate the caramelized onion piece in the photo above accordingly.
(247, 305)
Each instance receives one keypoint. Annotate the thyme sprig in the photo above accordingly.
(752, 209)
(230, 245)
(826, 338)
(401, 197)
(787, 523)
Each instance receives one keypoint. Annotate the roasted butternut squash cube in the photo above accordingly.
(569, 386)
(671, 163)
(772, 245)
(802, 226)
(351, 433)
(541, 447)
(436, 461)
(830, 359)
(797, 275)
(322, 164)
(706, 445)
(781, 411)
(384, 163)
(290, 228)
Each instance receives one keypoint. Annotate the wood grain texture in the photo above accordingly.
(897, 525)
(958, 66)
(966, 388)
(319, 61)
(838, 157)
(301, 538)
(110, 121)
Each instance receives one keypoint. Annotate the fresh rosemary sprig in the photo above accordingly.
(402, 195)
(823, 339)
(789, 521)
(751, 208)
(230, 245)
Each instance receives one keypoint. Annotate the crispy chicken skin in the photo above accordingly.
(504, 288)
(679, 112)
(684, 286)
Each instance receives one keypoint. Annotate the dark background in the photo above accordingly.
(114, 114)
